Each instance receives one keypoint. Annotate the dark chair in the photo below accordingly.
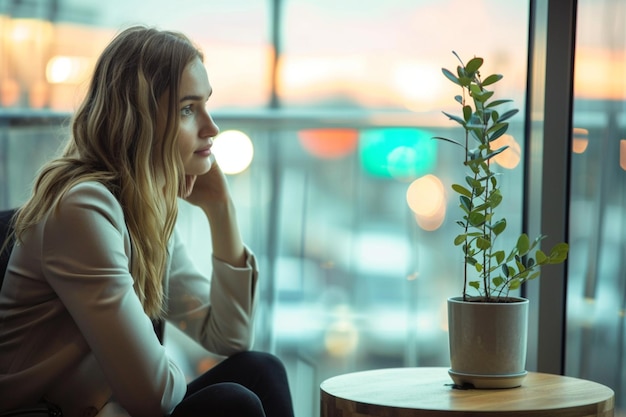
(5, 229)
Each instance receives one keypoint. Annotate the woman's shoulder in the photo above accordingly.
(90, 197)
(90, 191)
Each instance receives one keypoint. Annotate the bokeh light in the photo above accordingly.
(329, 143)
(433, 222)
(9, 92)
(580, 140)
(233, 150)
(342, 337)
(420, 84)
(67, 70)
(426, 198)
(400, 153)
(511, 157)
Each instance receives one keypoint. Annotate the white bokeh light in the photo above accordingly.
(233, 150)
(67, 69)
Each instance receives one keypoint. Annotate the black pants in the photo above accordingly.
(248, 384)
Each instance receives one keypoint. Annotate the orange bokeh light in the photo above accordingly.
(580, 140)
(426, 198)
(511, 157)
(329, 143)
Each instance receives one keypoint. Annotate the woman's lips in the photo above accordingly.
(204, 151)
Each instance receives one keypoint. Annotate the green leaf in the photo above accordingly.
(493, 78)
(484, 96)
(497, 281)
(499, 255)
(496, 152)
(464, 78)
(466, 203)
(476, 219)
(536, 241)
(461, 190)
(496, 127)
(498, 102)
(450, 76)
(482, 207)
(476, 123)
(505, 270)
(499, 227)
(515, 284)
(558, 253)
(449, 140)
(474, 64)
(534, 275)
(475, 90)
(472, 182)
(459, 239)
(483, 243)
(480, 95)
(474, 284)
(465, 81)
(507, 115)
(541, 257)
(461, 72)
(523, 243)
(467, 113)
(495, 199)
(455, 118)
(498, 133)
(459, 99)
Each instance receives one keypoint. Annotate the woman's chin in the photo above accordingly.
(198, 169)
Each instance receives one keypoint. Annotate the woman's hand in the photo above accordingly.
(210, 192)
(207, 189)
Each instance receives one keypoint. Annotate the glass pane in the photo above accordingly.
(373, 54)
(596, 285)
(49, 48)
(352, 277)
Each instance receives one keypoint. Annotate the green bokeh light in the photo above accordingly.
(401, 153)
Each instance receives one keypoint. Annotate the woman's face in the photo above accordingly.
(197, 129)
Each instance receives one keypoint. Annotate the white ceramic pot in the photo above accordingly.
(488, 342)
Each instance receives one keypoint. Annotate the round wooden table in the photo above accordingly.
(420, 392)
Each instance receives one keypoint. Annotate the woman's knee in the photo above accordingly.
(223, 399)
(261, 361)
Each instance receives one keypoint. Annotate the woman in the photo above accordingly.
(97, 258)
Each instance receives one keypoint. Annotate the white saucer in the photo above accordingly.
(487, 381)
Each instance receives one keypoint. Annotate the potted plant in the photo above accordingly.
(487, 324)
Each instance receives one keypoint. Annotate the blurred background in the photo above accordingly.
(327, 110)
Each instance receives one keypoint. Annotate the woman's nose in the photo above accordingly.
(210, 129)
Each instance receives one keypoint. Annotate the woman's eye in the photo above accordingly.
(186, 111)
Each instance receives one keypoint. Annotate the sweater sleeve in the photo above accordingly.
(215, 311)
(86, 261)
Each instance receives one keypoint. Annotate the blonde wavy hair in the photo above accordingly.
(114, 140)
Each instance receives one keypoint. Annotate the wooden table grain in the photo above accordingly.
(420, 392)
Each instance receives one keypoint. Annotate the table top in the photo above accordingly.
(429, 391)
